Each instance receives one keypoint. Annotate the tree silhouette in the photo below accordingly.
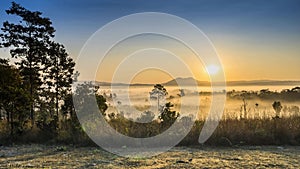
(28, 40)
(244, 109)
(44, 65)
(85, 93)
(277, 107)
(168, 116)
(13, 98)
(59, 72)
(159, 92)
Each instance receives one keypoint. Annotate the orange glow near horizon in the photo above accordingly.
(141, 60)
(239, 62)
(149, 76)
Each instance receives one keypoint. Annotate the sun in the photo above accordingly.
(212, 69)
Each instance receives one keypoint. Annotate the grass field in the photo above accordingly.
(42, 156)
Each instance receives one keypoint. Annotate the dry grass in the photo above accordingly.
(278, 131)
(41, 156)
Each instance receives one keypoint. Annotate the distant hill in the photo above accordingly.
(121, 84)
(186, 82)
(262, 83)
(191, 81)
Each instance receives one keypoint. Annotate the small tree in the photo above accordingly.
(244, 107)
(277, 107)
(181, 92)
(83, 96)
(168, 116)
(159, 92)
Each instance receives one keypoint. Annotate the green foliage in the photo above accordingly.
(168, 116)
(265, 94)
(158, 92)
(84, 96)
(38, 88)
(101, 102)
(41, 81)
(13, 98)
(158, 88)
(58, 73)
(29, 41)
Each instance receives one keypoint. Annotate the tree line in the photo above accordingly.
(34, 90)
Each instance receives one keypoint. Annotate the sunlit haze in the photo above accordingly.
(254, 39)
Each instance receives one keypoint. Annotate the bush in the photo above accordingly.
(277, 131)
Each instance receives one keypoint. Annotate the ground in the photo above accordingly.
(45, 156)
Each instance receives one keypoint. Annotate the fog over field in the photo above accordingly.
(138, 100)
(149, 84)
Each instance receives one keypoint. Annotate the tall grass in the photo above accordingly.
(230, 131)
(275, 131)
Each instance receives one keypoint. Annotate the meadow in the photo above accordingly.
(49, 156)
(47, 110)
(249, 117)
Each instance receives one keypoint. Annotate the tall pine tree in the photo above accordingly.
(45, 66)
(29, 42)
(59, 73)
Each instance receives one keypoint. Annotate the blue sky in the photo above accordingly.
(241, 30)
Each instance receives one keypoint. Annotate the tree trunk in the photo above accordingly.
(56, 90)
(30, 57)
(31, 96)
(11, 123)
(158, 102)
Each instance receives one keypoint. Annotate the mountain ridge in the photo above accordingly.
(189, 81)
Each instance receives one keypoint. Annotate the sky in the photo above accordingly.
(254, 39)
